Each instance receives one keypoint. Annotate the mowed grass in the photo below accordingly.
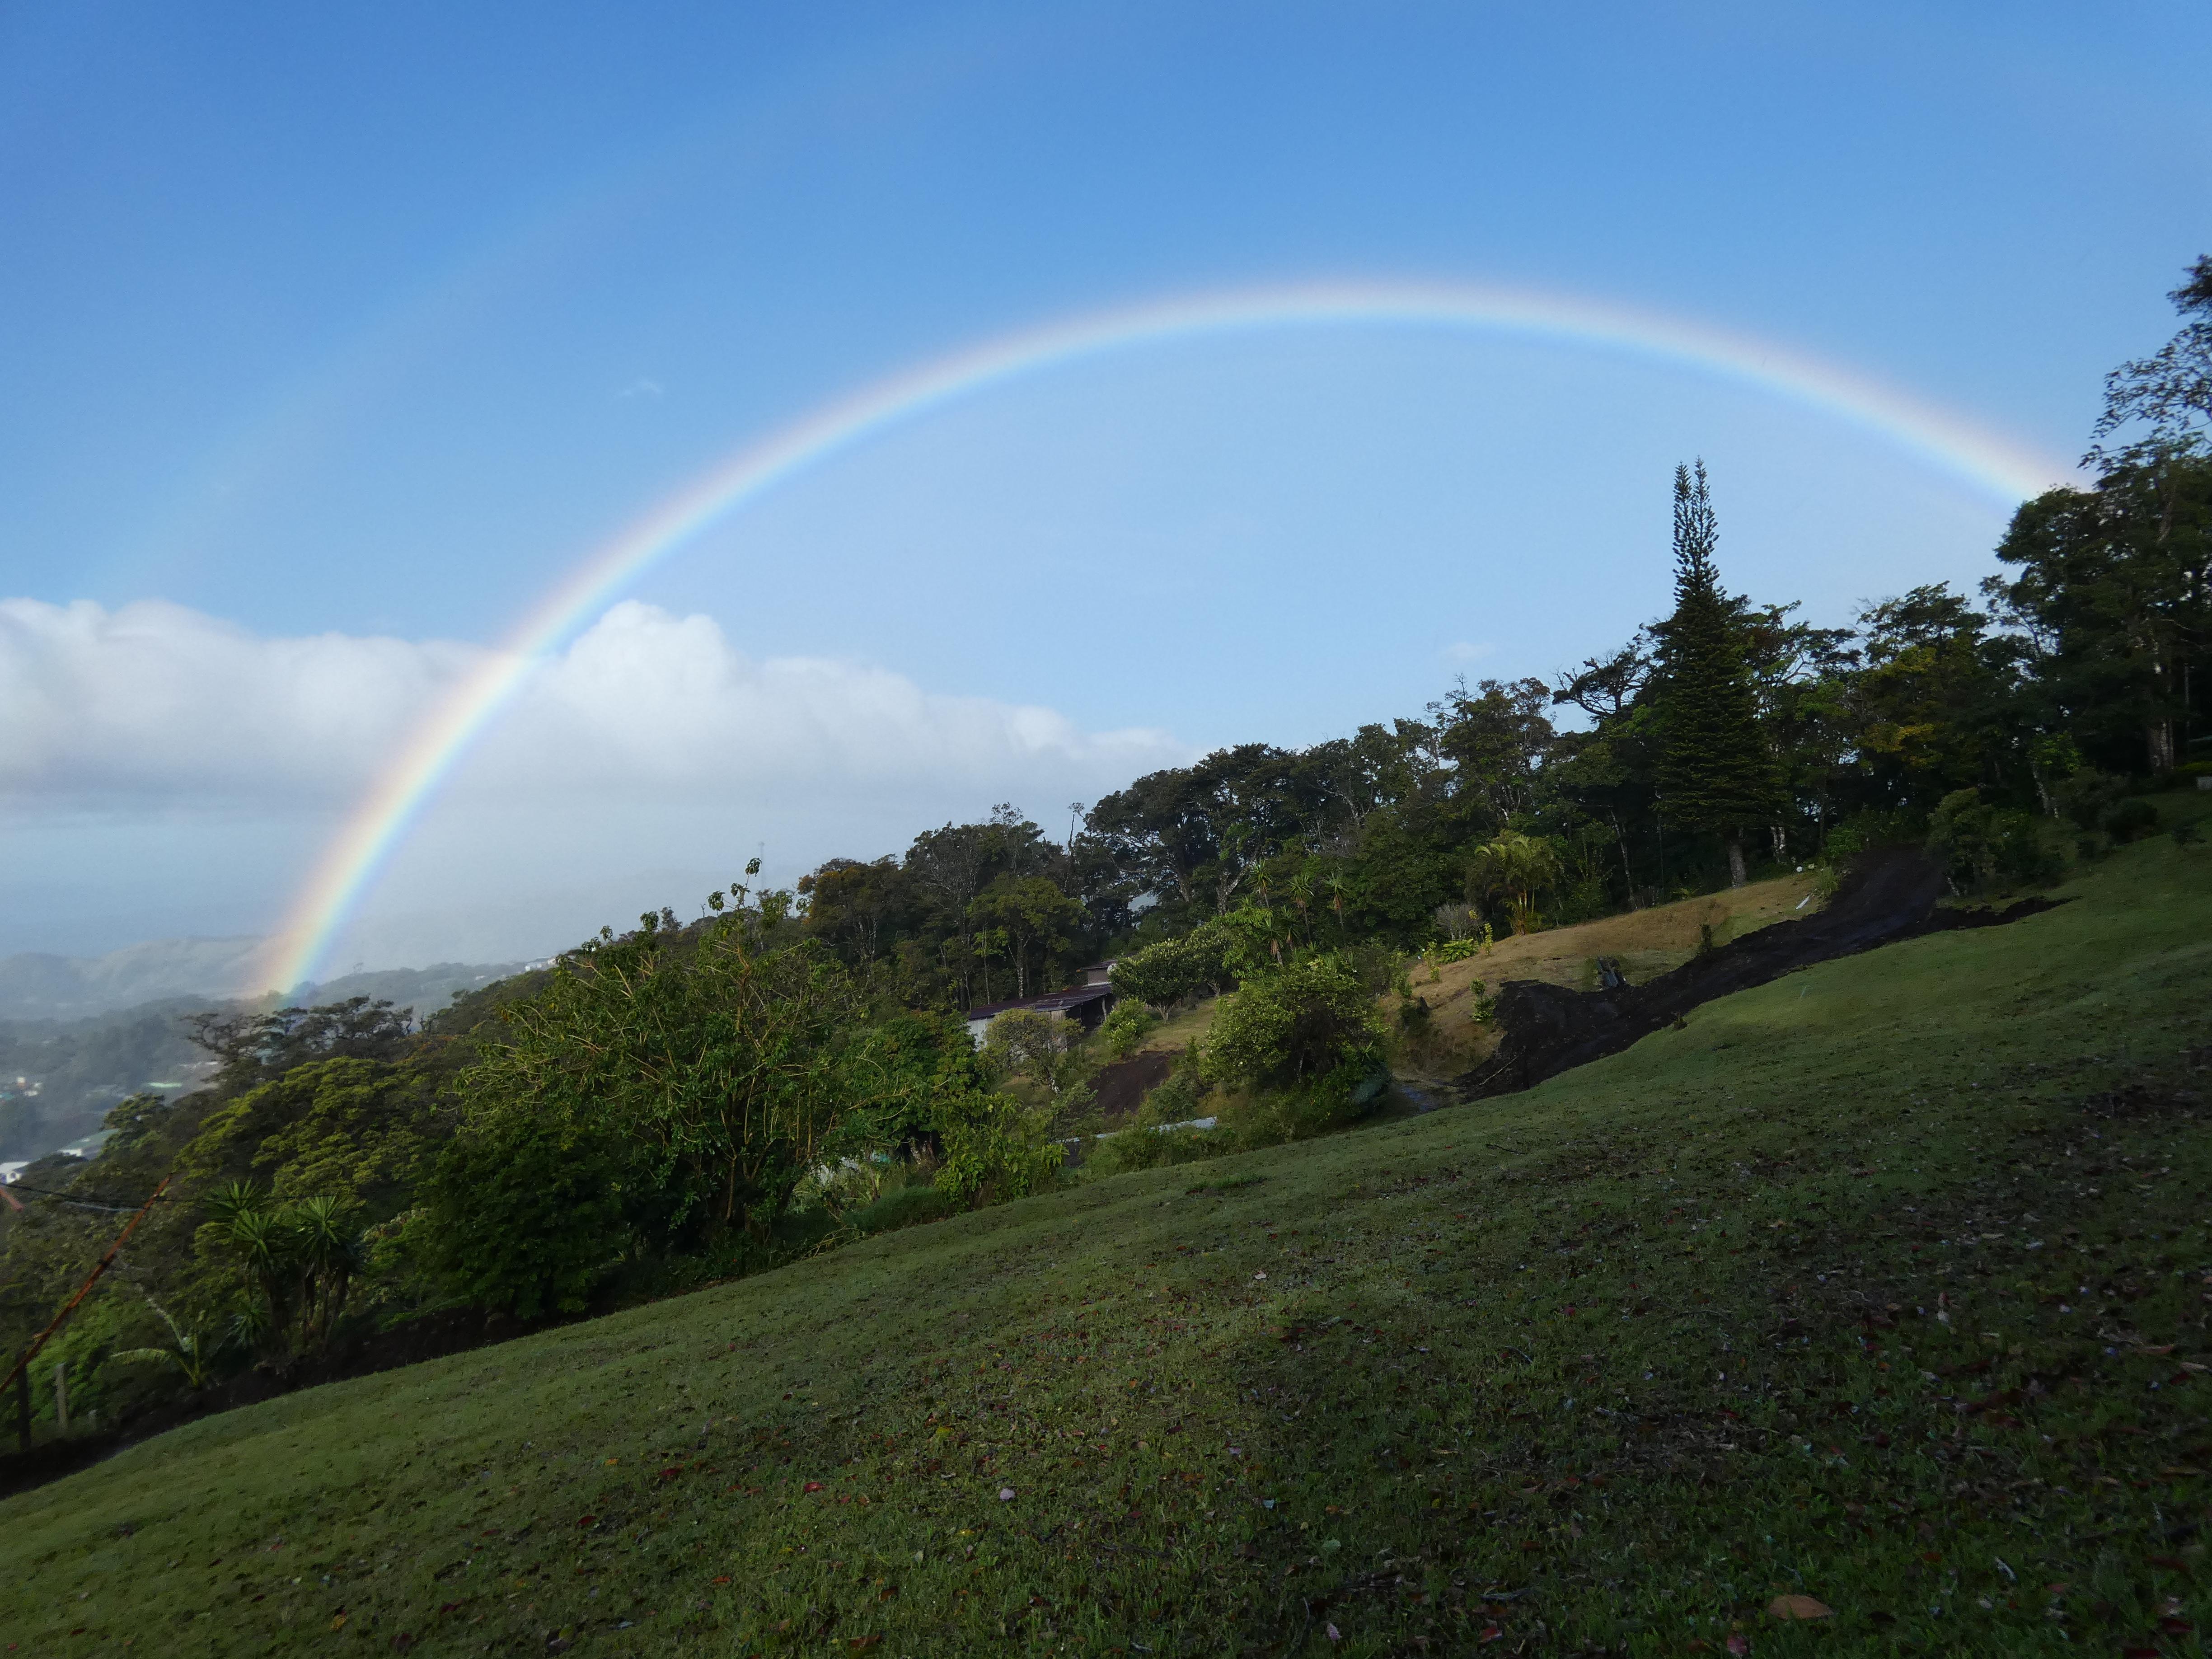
(1885, 1285)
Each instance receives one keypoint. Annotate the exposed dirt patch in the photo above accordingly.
(1548, 1028)
(1119, 1087)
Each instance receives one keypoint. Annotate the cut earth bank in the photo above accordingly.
(1883, 1286)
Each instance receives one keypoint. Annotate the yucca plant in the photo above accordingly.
(300, 1258)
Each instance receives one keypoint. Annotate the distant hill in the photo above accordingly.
(37, 985)
(34, 985)
(77, 1035)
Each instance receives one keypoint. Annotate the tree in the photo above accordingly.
(1497, 740)
(1930, 709)
(1025, 915)
(657, 1087)
(854, 906)
(1516, 867)
(2166, 397)
(1714, 772)
(2113, 599)
(1195, 834)
(252, 1048)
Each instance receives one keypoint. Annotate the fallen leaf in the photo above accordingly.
(1800, 1607)
(862, 1644)
(813, 1485)
(338, 1622)
(1334, 1634)
(1739, 1644)
(1006, 1494)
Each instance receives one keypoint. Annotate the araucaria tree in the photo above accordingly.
(1714, 773)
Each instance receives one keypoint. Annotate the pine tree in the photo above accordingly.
(1714, 773)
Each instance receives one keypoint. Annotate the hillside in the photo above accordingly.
(1646, 943)
(1883, 1285)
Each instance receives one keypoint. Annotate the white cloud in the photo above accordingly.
(155, 701)
(1462, 651)
(647, 698)
(164, 772)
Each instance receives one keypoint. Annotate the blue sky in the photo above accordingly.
(362, 323)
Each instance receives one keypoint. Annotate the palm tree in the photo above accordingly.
(1517, 866)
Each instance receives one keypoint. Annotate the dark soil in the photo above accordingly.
(1888, 895)
(1118, 1088)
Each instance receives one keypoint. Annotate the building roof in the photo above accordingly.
(1053, 1002)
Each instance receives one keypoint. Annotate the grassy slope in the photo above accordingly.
(1846, 1288)
(1647, 943)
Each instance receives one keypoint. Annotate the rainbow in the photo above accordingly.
(1985, 462)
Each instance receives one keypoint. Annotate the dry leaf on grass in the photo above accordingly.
(1798, 1606)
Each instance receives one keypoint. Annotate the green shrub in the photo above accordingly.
(1987, 847)
(996, 1148)
(2088, 795)
(1121, 1031)
(906, 1208)
(1163, 975)
(1309, 1025)
(2127, 820)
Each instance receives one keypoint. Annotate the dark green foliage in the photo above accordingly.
(1986, 846)
(1714, 773)
(529, 1215)
(1310, 1025)
(1160, 976)
(253, 1048)
(697, 1076)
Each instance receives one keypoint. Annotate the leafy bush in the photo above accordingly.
(1163, 975)
(907, 1207)
(1122, 1030)
(1508, 872)
(2088, 795)
(996, 1148)
(656, 1089)
(1986, 846)
(1044, 1050)
(1309, 1025)
(2127, 820)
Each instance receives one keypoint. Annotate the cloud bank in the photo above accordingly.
(651, 746)
(153, 703)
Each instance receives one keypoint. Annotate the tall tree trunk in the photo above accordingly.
(1735, 859)
(2160, 737)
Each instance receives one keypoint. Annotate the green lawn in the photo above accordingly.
(1885, 1285)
